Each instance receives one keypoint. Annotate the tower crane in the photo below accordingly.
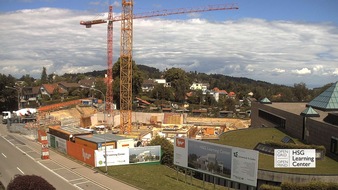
(127, 16)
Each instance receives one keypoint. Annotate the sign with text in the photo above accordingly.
(123, 156)
(237, 164)
(295, 158)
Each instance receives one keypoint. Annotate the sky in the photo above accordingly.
(280, 42)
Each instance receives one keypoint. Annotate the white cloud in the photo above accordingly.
(303, 71)
(335, 72)
(278, 70)
(272, 51)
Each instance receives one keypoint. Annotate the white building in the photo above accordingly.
(199, 86)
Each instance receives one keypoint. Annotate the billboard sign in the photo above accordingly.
(123, 156)
(114, 157)
(237, 164)
(145, 154)
(295, 158)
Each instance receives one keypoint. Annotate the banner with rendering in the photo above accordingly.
(237, 164)
(123, 156)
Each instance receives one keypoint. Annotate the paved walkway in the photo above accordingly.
(100, 179)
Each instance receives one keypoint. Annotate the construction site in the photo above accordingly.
(144, 125)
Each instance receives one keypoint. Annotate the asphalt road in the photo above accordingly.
(22, 155)
(13, 161)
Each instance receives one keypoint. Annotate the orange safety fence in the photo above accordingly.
(58, 105)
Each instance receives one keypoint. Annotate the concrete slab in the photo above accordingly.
(90, 186)
(51, 165)
(68, 175)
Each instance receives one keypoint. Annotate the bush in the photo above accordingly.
(167, 149)
(29, 182)
(315, 185)
(269, 187)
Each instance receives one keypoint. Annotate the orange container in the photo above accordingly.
(82, 153)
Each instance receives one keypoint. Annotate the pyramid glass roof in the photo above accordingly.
(265, 101)
(309, 112)
(328, 100)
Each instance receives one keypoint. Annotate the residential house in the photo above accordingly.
(232, 95)
(88, 82)
(149, 84)
(69, 87)
(50, 89)
(29, 96)
(217, 93)
(142, 103)
(199, 86)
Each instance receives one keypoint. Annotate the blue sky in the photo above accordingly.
(283, 42)
(299, 10)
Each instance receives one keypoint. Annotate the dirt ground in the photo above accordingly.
(230, 123)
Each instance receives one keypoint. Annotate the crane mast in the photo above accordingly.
(126, 47)
(126, 66)
(109, 79)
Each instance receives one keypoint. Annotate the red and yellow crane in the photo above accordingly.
(126, 47)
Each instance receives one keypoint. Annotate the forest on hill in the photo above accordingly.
(240, 85)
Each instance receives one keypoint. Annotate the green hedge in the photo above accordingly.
(315, 185)
(294, 146)
(269, 187)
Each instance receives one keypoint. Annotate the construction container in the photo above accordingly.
(67, 133)
(97, 141)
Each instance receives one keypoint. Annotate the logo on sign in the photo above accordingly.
(85, 155)
(180, 143)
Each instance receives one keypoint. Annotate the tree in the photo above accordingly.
(300, 91)
(29, 81)
(29, 182)
(167, 149)
(44, 76)
(162, 93)
(179, 82)
(196, 97)
(137, 81)
(8, 97)
(230, 104)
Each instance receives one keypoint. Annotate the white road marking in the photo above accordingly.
(20, 170)
(4, 155)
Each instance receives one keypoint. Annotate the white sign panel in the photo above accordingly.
(180, 152)
(114, 157)
(295, 158)
(237, 164)
(244, 166)
(123, 156)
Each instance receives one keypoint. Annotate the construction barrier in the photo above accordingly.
(44, 151)
(58, 105)
(42, 137)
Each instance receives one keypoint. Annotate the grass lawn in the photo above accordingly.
(154, 177)
(249, 138)
(157, 176)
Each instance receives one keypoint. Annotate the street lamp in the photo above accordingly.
(104, 118)
(18, 94)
